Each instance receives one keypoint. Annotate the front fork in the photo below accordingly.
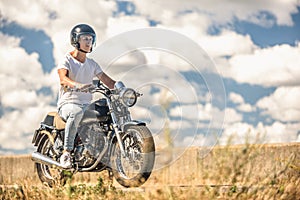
(116, 128)
(117, 132)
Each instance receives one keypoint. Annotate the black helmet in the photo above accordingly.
(81, 29)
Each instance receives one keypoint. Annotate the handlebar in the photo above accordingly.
(101, 88)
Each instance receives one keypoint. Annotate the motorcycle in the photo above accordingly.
(107, 139)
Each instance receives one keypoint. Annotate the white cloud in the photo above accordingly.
(280, 132)
(22, 69)
(56, 15)
(241, 105)
(19, 99)
(240, 133)
(124, 23)
(220, 11)
(21, 75)
(227, 43)
(17, 127)
(205, 116)
(280, 63)
(246, 107)
(190, 112)
(206, 112)
(283, 104)
(31, 14)
(231, 116)
(236, 98)
(192, 25)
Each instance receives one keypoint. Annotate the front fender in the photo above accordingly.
(134, 122)
(123, 127)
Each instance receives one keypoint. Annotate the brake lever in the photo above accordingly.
(138, 94)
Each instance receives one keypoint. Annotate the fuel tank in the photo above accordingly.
(97, 111)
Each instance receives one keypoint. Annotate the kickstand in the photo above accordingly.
(110, 174)
(110, 177)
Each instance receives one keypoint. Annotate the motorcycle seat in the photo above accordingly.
(53, 119)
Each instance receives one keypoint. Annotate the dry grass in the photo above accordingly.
(230, 173)
(249, 175)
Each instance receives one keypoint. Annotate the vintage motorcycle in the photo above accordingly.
(107, 139)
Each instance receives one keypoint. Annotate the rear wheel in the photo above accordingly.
(135, 168)
(49, 175)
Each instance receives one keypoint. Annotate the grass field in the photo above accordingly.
(228, 172)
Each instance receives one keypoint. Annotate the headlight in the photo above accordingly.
(128, 97)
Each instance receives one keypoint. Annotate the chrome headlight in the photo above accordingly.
(128, 97)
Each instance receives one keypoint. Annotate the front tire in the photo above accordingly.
(136, 167)
(48, 175)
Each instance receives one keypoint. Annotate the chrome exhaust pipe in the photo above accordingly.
(42, 159)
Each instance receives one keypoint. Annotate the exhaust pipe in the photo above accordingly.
(42, 159)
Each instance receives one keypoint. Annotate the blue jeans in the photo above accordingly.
(73, 114)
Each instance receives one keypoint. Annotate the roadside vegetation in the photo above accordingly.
(231, 173)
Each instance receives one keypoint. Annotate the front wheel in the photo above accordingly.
(135, 168)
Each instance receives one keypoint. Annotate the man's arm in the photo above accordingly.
(65, 81)
(106, 80)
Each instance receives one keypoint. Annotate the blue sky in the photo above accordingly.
(274, 35)
(255, 47)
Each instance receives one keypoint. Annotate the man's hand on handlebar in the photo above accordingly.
(82, 87)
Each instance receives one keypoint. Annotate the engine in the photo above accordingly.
(90, 143)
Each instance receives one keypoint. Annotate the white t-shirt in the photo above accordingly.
(81, 73)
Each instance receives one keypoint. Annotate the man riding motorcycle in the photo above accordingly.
(76, 71)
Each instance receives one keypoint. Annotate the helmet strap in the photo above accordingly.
(79, 49)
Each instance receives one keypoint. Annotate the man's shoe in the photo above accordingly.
(65, 160)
